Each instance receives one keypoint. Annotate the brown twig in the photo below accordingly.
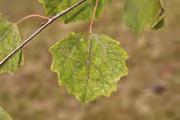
(51, 20)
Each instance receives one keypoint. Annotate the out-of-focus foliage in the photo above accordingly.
(141, 14)
(4, 115)
(9, 40)
(83, 12)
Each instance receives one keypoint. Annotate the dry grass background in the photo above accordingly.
(151, 91)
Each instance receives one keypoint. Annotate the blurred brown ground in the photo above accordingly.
(151, 91)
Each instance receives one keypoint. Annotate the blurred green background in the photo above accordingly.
(151, 91)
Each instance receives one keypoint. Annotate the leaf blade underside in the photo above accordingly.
(89, 66)
(83, 12)
(9, 40)
(4, 115)
(142, 14)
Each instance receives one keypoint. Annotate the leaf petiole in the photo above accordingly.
(32, 16)
(93, 16)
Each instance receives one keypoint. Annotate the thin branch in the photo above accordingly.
(40, 30)
(93, 16)
(32, 16)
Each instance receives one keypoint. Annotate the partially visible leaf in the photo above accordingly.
(82, 12)
(141, 14)
(4, 115)
(9, 40)
(159, 24)
(89, 66)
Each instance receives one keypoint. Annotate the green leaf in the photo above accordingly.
(89, 66)
(82, 12)
(141, 14)
(9, 40)
(4, 115)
